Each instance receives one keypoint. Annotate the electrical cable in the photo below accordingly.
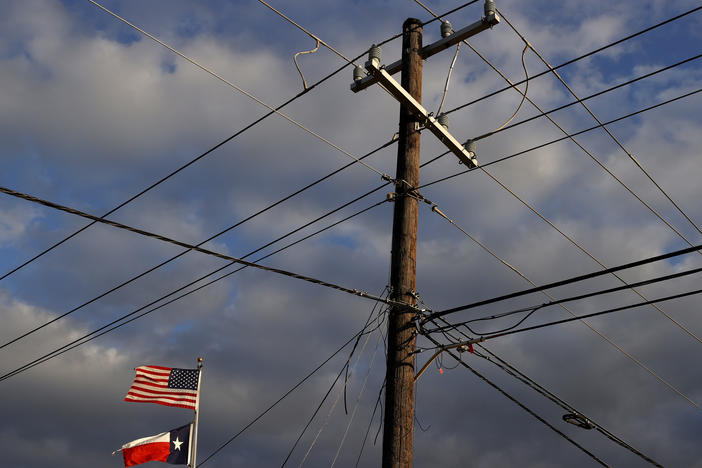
(594, 314)
(576, 298)
(588, 54)
(591, 96)
(190, 246)
(520, 404)
(250, 217)
(99, 332)
(331, 387)
(370, 423)
(181, 168)
(448, 78)
(565, 308)
(242, 91)
(358, 399)
(604, 127)
(283, 397)
(517, 374)
(575, 279)
(608, 171)
(557, 140)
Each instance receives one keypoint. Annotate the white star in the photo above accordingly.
(177, 444)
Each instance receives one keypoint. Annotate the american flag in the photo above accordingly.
(165, 386)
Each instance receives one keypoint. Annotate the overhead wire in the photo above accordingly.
(521, 405)
(283, 397)
(604, 127)
(605, 168)
(557, 140)
(525, 379)
(370, 423)
(169, 240)
(435, 315)
(181, 168)
(591, 96)
(519, 375)
(584, 316)
(248, 218)
(242, 91)
(581, 57)
(331, 388)
(358, 399)
(579, 297)
(106, 328)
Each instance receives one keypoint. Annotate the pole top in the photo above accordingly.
(411, 22)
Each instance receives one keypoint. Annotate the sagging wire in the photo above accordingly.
(297, 65)
(448, 78)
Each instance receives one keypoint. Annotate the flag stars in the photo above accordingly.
(177, 443)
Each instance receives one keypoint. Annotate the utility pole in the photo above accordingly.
(400, 375)
(399, 383)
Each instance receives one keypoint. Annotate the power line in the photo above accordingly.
(525, 379)
(250, 217)
(608, 171)
(588, 54)
(604, 127)
(212, 253)
(181, 168)
(105, 328)
(557, 140)
(575, 279)
(594, 314)
(579, 297)
(242, 91)
(520, 404)
(331, 387)
(283, 397)
(565, 308)
(591, 96)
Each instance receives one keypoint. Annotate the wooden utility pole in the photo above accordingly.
(399, 390)
(400, 377)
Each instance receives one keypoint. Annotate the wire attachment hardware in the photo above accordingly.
(579, 420)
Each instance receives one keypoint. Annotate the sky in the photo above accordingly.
(92, 113)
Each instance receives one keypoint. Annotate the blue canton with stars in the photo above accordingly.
(185, 379)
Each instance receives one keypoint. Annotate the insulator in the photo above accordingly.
(443, 120)
(374, 52)
(358, 73)
(446, 29)
(489, 8)
(471, 146)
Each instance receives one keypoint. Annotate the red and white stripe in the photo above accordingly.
(151, 386)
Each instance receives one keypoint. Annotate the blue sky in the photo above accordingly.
(92, 113)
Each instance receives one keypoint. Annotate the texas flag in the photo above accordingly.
(169, 447)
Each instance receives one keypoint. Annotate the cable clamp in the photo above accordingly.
(464, 348)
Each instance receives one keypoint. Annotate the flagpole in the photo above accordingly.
(193, 462)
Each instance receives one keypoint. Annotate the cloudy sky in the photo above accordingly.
(92, 113)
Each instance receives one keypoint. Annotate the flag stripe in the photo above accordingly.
(162, 437)
(164, 386)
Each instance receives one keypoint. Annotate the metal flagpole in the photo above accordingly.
(193, 462)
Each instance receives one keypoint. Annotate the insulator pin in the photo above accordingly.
(443, 120)
(446, 29)
(358, 73)
(489, 8)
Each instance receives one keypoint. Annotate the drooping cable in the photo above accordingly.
(581, 57)
(241, 90)
(283, 397)
(520, 404)
(370, 423)
(169, 240)
(608, 171)
(331, 387)
(525, 379)
(536, 288)
(248, 218)
(448, 79)
(604, 127)
(131, 316)
(557, 140)
(579, 297)
(591, 96)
